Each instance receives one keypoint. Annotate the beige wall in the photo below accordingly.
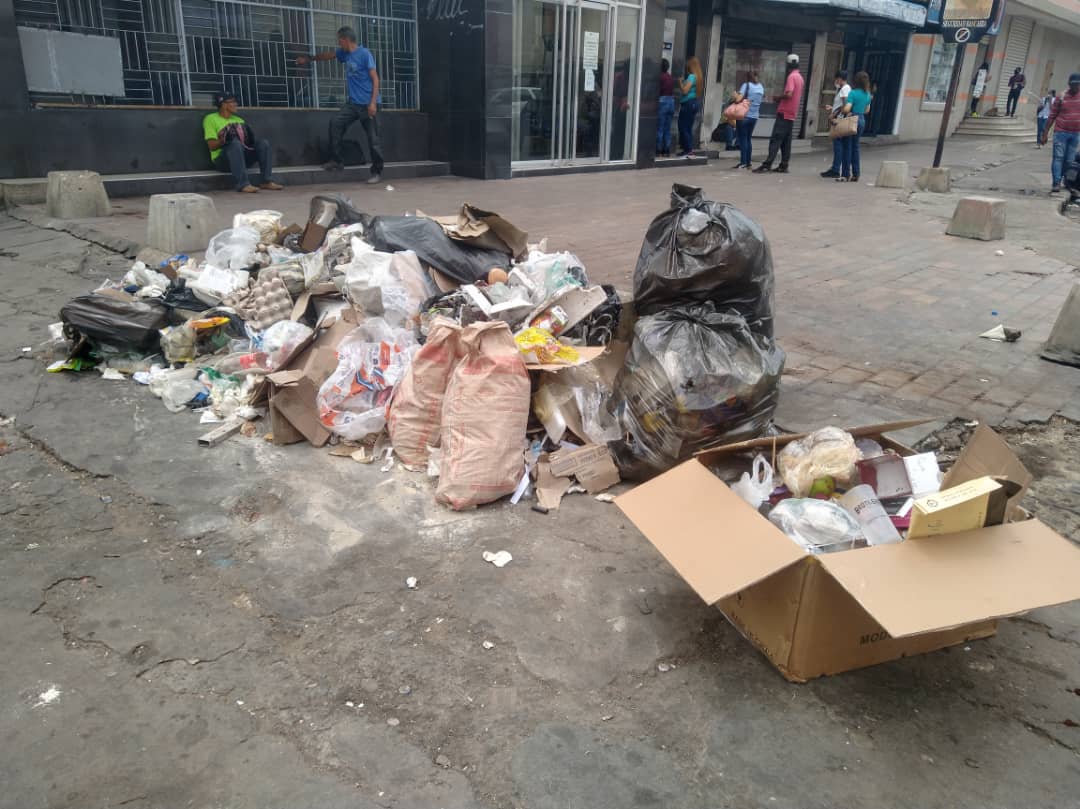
(920, 119)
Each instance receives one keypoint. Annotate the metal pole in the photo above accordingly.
(950, 99)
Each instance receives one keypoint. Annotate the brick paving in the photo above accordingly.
(879, 311)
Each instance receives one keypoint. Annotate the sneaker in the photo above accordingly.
(250, 189)
(333, 165)
(830, 173)
(374, 178)
(1056, 189)
(738, 166)
(764, 167)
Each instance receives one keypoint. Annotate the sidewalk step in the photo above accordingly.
(31, 190)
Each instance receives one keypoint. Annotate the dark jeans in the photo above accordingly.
(663, 124)
(687, 113)
(1040, 124)
(837, 155)
(975, 104)
(849, 151)
(1014, 97)
(234, 159)
(744, 129)
(342, 120)
(780, 142)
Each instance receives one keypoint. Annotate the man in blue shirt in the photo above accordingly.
(362, 105)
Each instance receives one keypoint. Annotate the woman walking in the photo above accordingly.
(688, 110)
(858, 104)
(754, 91)
(667, 110)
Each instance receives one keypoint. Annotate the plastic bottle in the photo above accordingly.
(862, 503)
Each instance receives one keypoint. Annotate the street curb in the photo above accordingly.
(116, 244)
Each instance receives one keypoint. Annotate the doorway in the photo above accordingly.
(574, 91)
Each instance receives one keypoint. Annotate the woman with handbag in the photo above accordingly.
(689, 106)
(745, 112)
(858, 104)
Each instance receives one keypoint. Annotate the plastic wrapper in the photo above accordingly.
(266, 223)
(415, 412)
(694, 378)
(178, 343)
(426, 238)
(176, 387)
(372, 359)
(133, 325)
(543, 347)
(485, 413)
(280, 342)
(602, 324)
(548, 273)
(214, 284)
(820, 526)
(151, 283)
(574, 399)
(233, 249)
(388, 285)
(700, 251)
(826, 453)
(756, 485)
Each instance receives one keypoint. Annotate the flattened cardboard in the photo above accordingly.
(592, 465)
(986, 453)
(710, 535)
(949, 581)
(549, 488)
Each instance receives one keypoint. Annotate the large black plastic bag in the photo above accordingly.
(700, 250)
(694, 378)
(426, 238)
(132, 325)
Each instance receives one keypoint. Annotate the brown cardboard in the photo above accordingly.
(986, 453)
(549, 488)
(592, 465)
(816, 615)
(484, 229)
(958, 508)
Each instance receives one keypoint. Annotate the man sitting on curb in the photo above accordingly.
(233, 146)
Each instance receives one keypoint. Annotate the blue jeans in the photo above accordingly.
(1065, 145)
(849, 154)
(235, 159)
(1041, 124)
(687, 113)
(837, 154)
(663, 124)
(744, 129)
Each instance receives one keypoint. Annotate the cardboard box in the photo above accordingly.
(965, 507)
(824, 614)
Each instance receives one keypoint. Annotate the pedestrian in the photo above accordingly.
(1016, 86)
(753, 91)
(233, 146)
(1045, 103)
(787, 110)
(362, 83)
(978, 84)
(858, 104)
(840, 82)
(667, 110)
(1064, 118)
(689, 106)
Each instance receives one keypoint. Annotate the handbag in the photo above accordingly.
(844, 127)
(738, 110)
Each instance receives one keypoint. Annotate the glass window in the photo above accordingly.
(937, 76)
(624, 88)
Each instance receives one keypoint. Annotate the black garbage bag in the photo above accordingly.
(131, 325)
(694, 378)
(700, 250)
(426, 238)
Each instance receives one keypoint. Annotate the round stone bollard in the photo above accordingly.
(76, 195)
(892, 174)
(978, 218)
(180, 223)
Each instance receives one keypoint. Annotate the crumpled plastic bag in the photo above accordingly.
(826, 453)
(551, 272)
(151, 283)
(820, 526)
(756, 485)
(388, 285)
(280, 342)
(372, 359)
(575, 399)
(233, 249)
(214, 284)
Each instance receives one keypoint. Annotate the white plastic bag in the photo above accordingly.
(233, 249)
(214, 284)
(151, 283)
(755, 486)
(372, 359)
(384, 284)
(280, 341)
(826, 453)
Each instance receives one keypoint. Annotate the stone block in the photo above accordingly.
(978, 218)
(892, 174)
(937, 180)
(76, 195)
(1063, 345)
(180, 223)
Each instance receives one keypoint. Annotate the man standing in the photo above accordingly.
(1043, 115)
(840, 82)
(787, 110)
(1016, 86)
(978, 85)
(362, 105)
(1065, 121)
(233, 146)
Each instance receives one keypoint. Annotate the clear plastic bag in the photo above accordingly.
(574, 399)
(372, 359)
(755, 486)
(820, 526)
(826, 453)
(233, 249)
(266, 223)
(551, 272)
(214, 284)
(388, 285)
(280, 342)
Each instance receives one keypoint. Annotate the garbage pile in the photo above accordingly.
(453, 343)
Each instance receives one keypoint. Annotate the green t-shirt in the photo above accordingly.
(214, 123)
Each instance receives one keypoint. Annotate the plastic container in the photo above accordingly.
(862, 503)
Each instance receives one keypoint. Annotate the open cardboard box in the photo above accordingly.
(823, 614)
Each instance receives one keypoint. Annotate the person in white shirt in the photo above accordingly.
(840, 82)
(1044, 114)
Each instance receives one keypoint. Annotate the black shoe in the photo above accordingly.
(1056, 189)
(764, 167)
(781, 169)
(830, 173)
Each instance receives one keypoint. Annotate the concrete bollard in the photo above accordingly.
(892, 174)
(938, 180)
(978, 218)
(1063, 344)
(180, 223)
(76, 195)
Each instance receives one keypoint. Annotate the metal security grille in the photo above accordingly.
(179, 52)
